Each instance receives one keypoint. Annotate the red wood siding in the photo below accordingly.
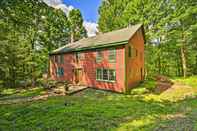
(134, 65)
(89, 66)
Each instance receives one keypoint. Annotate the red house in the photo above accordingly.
(111, 61)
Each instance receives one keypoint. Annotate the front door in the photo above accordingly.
(78, 76)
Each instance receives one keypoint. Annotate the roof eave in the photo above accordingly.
(107, 45)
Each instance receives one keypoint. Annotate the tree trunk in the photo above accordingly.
(72, 39)
(183, 57)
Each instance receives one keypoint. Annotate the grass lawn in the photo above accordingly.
(11, 93)
(192, 81)
(100, 110)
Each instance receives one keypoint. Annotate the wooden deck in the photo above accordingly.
(75, 88)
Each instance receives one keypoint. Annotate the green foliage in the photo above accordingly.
(13, 93)
(170, 30)
(29, 30)
(144, 88)
(191, 81)
(76, 25)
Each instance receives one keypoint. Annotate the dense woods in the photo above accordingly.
(29, 30)
(170, 27)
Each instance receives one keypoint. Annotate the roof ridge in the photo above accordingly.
(109, 38)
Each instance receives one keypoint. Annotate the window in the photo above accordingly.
(108, 75)
(59, 59)
(80, 56)
(105, 74)
(60, 71)
(112, 55)
(99, 56)
(112, 75)
(99, 74)
(132, 52)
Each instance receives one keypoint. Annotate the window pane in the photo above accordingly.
(105, 74)
(81, 56)
(112, 55)
(112, 75)
(58, 72)
(99, 74)
(62, 72)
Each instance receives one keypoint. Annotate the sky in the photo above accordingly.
(88, 8)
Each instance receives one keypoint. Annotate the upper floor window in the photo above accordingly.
(80, 56)
(59, 59)
(132, 52)
(99, 56)
(112, 55)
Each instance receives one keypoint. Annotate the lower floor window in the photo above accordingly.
(105, 74)
(60, 71)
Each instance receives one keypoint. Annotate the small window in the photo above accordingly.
(99, 56)
(59, 59)
(80, 56)
(60, 71)
(132, 52)
(99, 74)
(112, 55)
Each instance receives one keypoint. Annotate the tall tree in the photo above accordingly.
(29, 30)
(165, 25)
(76, 25)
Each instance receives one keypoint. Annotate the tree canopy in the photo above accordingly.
(170, 28)
(29, 30)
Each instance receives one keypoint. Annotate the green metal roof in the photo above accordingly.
(114, 38)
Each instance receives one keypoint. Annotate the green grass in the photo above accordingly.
(191, 81)
(10, 93)
(100, 110)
